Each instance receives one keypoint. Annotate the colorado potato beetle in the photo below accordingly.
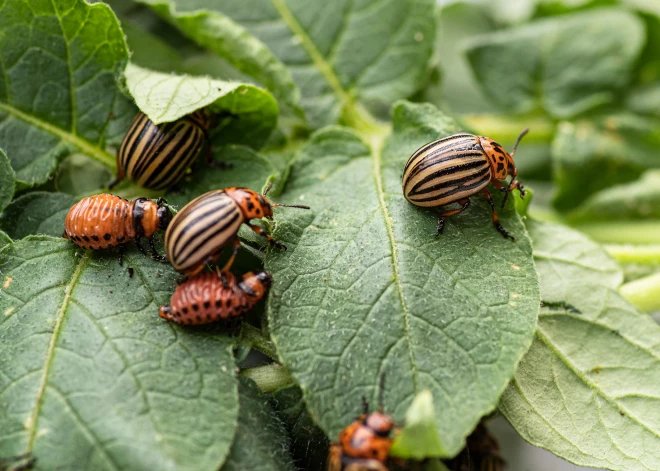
(203, 227)
(209, 297)
(365, 444)
(103, 221)
(157, 156)
(452, 169)
(481, 452)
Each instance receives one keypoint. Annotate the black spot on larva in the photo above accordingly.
(85, 238)
(374, 452)
(96, 238)
(500, 167)
(185, 310)
(107, 236)
(195, 307)
(208, 317)
(199, 318)
(207, 304)
(218, 303)
(121, 239)
(258, 211)
(228, 303)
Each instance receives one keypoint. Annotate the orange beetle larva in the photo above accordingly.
(103, 221)
(208, 297)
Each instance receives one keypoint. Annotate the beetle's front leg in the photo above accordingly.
(260, 230)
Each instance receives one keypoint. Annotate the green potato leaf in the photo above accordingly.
(589, 156)
(39, 212)
(563, 66)
(168, 97)
(261, 442)
(7, 178)
(587, 389)
(637, 200)
(365, 288)
(92, 378)
(334, 65)
(4, 240)
(230, 41)
(58, 68)
(80, 175)
(419, 437)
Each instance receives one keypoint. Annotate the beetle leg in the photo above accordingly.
(139, 246)
(230, 262)
(121, 255)
(154, 253)
(496, 219)
(260, 230)
(464, 202)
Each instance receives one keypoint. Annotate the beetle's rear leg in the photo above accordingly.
(496, 219)
(464, 202)
(230, 262)
(260, 230)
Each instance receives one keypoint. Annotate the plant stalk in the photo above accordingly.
(255, 338)
(623, 232)
(644, 293)
(269, 378)
(507, 129)
(642, 254)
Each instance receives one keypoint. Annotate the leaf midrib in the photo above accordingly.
(85, 147)
(34, 418)
(376, 143)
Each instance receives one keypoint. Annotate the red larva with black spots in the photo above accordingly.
(453, 169)
(207, 224)
(103, 221)
(208, 297)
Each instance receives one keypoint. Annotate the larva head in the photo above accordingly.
(165, 312)
(256, 284)
(145, 217)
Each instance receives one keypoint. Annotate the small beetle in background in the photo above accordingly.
(365, 444)
(156, 156)
(203, 227)
(209, 297)
(103, 221)
(452, 169)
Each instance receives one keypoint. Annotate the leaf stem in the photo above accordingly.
(643, 254)
(643, 293)
(256, 339)
(269, 378)
(622, 232)
(508, 129)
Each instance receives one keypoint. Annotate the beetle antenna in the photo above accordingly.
(301, 206)
(381, 392)
(267, 189)
(365, 406)
(515, 146)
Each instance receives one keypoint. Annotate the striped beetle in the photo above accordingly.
(156, 156)
(210, 297)
(105, 220)
(452, 169)
(203, 227)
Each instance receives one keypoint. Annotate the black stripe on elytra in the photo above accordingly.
(184, 152)
(436, 160)
(190, 225)
(449, 171)
(167, 133)
(459, 189)
(213, 234)
(459, 140)
(147, 128)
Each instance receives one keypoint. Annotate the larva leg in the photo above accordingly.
(496, 219)
(139, 246)
(260, 230)
(465, 202)
(121, 249)
(154, 253)
(230, 262)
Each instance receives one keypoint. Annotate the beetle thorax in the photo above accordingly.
(497, 157)
(252, 204)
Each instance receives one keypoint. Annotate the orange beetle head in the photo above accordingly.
(501, 162)
(252, 204)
